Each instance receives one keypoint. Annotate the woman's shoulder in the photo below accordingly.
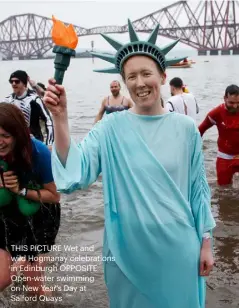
(39, 148)
(183, 122)
(42, 161)
(182, 118)
(109, 119)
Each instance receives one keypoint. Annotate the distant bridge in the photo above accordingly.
(212, 27)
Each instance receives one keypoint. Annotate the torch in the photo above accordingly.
(66, 40)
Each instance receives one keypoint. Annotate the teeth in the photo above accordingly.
(143, 94)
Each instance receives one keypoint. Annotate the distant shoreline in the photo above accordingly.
(85, 54)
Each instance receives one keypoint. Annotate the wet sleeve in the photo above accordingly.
(44, 162)
(200, 192)
(83, 164)
(209, 121)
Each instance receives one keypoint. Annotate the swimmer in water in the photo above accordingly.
(113, 103)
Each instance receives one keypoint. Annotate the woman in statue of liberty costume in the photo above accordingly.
(158, 219)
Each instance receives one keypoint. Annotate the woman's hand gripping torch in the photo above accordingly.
(66, 40)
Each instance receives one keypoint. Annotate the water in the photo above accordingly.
(82, 212)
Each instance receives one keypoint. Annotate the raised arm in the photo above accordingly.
(74, 166)
(100, 112)
(55, 101)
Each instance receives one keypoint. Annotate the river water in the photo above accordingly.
(82, 212)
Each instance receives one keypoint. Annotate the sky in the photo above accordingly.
(90, 14)
(84, 13)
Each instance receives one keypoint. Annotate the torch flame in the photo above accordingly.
(64, 35)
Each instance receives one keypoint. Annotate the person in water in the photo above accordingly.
(181, 101)
(226, 118)
(158, 218)
(31, 105)
(29, 201)
(38, 87)
(115, 102)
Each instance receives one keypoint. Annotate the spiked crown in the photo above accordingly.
(136, 47)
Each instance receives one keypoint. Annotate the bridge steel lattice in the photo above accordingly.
(208, 26)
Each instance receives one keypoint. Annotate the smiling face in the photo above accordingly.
(143, 80)
(6, 143)
(115, 88)
(18, 86)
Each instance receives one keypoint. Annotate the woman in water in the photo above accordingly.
(158, 219)
(29, 202)
(113, 103)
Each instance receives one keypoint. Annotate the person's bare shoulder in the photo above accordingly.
(130, 103)
(104, 101)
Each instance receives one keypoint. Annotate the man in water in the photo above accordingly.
(226, 118)
(39, 87)
(31, 105)
(115, 102)
(180, 101)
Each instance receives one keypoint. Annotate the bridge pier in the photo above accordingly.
(202, 52)
(235, 51)
(225, 52)
(214, 52)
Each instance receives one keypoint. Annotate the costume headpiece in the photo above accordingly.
(136, 47)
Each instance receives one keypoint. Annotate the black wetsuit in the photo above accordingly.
(34, 111)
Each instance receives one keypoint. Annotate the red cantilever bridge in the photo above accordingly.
(208, 26)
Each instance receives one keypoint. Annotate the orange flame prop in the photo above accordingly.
(64, 35)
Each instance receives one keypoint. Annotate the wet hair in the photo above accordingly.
(13, 122)
(232, 90)
(176, 82)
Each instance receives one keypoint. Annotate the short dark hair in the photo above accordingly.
(176, 82)
(232, 90)
(116, 81)
(41, 85)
